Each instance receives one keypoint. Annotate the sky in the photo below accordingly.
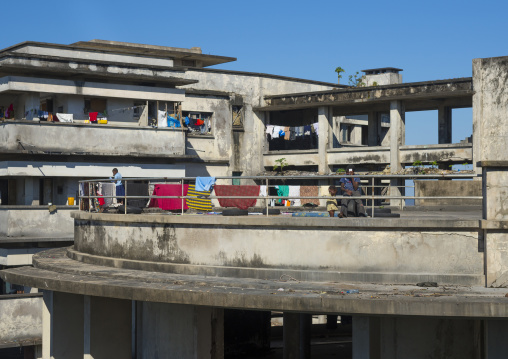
(429, 40)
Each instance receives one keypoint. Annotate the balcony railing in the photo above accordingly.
(371, 184)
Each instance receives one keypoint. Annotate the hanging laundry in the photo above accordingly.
(306, 130)
(286, 133)
(204, 183)
(294, 191)
(309, 191)
(69, 117)
(198, 202)
(315, 125)
(276, 131)
(169, 190)
(162, 120)
(231, 190)
(269, 130)
(292, 137)
(282, 191)
(173, 122)
(199, 122)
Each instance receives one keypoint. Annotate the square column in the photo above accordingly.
(373, 129)
(324, 135)
(107, 328)
(296, 335)
(179, 331)
(366, 337)
(62, 326)
(445, 124)
(397, 139)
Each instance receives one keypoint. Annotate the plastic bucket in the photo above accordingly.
(70, 201)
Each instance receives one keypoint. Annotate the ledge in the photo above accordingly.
(65, 275)
(282, 221)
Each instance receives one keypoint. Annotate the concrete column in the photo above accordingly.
(445, 124)
(366, 337)
(179, 331)
(325, 129)
(490, 145)
(32, 105)
(356, 135)
(296, 335)
(62, 325)
(496, 345)
(373, 128)
(30, 194)
(397, 139)
(107, 328)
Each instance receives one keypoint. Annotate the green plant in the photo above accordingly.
(434, 164)
(281, 163)
(339, 70)
(356, 80)
(417, 164)
(375, 83)
(465, 164)
(340, 170)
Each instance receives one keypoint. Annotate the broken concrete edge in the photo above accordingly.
(312, 275)
(281, 221)
(327, 300)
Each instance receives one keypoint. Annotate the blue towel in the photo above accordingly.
(204, 183)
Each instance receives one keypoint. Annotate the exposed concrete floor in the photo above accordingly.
(55, 271)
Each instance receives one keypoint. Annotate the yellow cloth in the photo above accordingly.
(202, 204)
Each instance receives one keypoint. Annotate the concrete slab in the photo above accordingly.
(55, 271)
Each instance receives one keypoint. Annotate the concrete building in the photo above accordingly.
(166, 283)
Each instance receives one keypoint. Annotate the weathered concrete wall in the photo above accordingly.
(20, 320)
(448, 188)
(86, 138)
(293, 158)
(280, 242)
(447, 153)
(490, 106)
(359, 155)
(245, 90)
(30, 221)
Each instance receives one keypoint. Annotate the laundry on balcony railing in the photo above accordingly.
(292, 138)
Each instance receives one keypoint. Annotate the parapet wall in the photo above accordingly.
(319, 249)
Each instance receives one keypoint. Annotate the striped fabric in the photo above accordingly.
(202, 204)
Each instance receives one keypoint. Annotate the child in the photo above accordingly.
(331, 204)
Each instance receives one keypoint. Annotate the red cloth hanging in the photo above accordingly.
(169, 190)
(93, 116)
(199, 122)
(231, 190)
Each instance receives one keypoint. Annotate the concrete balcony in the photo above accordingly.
(20, 320)
(79, 138)
(36, 222)
(455, 153)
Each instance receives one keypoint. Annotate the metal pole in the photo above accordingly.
(267, 200)
(89, 199)
(372, 195)
(125, 198)
(182, 195)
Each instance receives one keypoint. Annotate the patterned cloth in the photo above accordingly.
(202, 204)
(169, 190)
(309, 191)
(230, 190)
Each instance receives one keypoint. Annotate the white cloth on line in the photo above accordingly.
(162, 120)
(294, 191)
(65, 117)
(262, 191)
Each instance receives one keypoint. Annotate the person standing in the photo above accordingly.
(120, 189)
(351, 187)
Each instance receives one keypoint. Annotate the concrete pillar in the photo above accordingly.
(445, 124)
(32, 105)
(325, 130)
(179, 331)
(356, 135)
(31, 196)
(296, 335)
(62, 325)
(373, 128)
(107, 328)
(496, 345)
(366, 337)
(490, 145)
(397, 139)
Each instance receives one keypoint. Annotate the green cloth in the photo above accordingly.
(283, 191)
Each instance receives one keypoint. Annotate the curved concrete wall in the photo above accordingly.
(396, 249)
